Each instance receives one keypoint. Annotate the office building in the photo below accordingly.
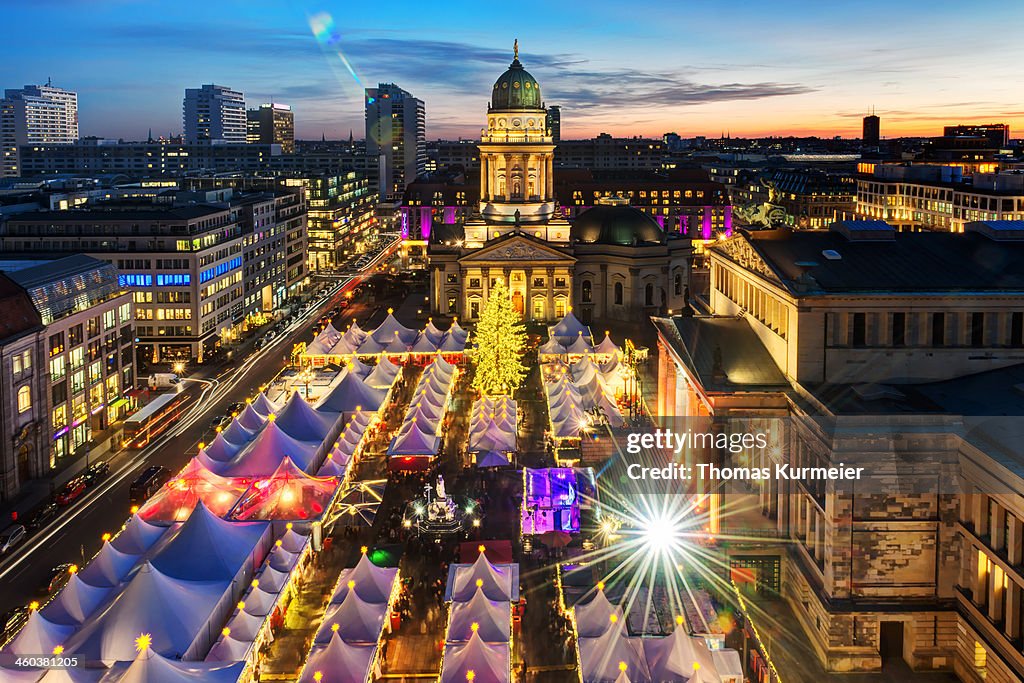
(890, 350)
(36, 114)
(67, 361)
(872, 133)
(936, 197)
(271, 124)
(997, 134)
(554, 123)
(215, 113)
(395, 137)
(202, 270)
(812, 198)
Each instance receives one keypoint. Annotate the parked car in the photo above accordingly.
(57, 578)
(220, 421)
(71, 491)
(151, 479)
(235, 407)
(12, 621)
(41, 516)
(96, 473)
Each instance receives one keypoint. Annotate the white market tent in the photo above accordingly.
(39, 635)
(339, 662)
(150, 667)
(373, 584)
(300, 421)
(352, 393)
(488, 661)
(490, 619)
(499, 582)
(108, 567)
(75, 602)
(601, 658)
(355, 620)
(261, 457)
(595, 617)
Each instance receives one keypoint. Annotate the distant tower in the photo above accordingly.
(396, 136)
(872, 130)
(554, 122)
(214, 112)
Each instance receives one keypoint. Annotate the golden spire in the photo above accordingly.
(515, 49)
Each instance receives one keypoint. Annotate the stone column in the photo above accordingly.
(508, 177)
(550, 176)
(528, 302)
(484, 171)
(662, 377)
(550, 313)
(670, 398)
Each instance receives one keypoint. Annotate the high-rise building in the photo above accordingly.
(271, 124)
(396, 137)
(36, 114)
(554, 123)
(998, 134)
(872, 131)
(215, 113)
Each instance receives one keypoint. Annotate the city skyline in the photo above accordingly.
(642, 70)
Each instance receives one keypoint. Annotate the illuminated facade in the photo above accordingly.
(616, 260)
(271, 124)
(886, 347)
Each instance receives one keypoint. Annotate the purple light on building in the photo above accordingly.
(405, 222)
(449, 215)
(425, 216)
(706, 227)
(728, 221)
(684, 224)
(661, 222)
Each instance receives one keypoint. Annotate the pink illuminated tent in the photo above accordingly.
(264, 406)
(176, 499)
(495, 580)
(287, 494)
(251, 419)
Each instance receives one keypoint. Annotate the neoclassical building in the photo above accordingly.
(612, 262)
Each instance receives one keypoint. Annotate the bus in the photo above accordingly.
(153, 419)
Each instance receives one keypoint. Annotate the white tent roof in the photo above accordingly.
(424, 344)
(250, 418)
(569, 326)
(264, 455)
(137, 537)
(350, 393)
(219, 450)
(38, 636)
(673, 659)
(385, 332)
(372, 584)
(492, 618)
(340, 662)
(432, 331)
(359, 367)
(579, 345)
(245, 626)
(272, 580)
(607, 346)
(172, 611)
(75, 602)
(208, 548)
(229, 649)
(237, 434)
(414, 442)
(109, 566)
(335, 465)
(355, 333)
(594, 617)
(149, 667)
(298, 419)
(358, 621)
(601, 657)
(259, 602)
(551, 348)
(264, 406)
(452, 343)
(383, 375)
(496, 582)
(490, 662)
(397, 345)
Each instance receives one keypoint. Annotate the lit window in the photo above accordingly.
(24, 399)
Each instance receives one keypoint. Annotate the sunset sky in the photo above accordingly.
(627, 68)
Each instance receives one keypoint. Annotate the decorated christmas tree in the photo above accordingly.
(501, 341)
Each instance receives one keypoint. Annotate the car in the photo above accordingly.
(70, 492)
(235, 408)
(11, 537)
(41, 516)
(11, 622)
(96, 473)
(57, 578)
(220, 421)
(151, 479)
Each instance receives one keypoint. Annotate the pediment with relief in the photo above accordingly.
(517, 249)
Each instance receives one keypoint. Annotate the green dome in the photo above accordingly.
(615, 224)
(516, 89)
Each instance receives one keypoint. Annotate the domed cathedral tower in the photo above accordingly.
(517, 163)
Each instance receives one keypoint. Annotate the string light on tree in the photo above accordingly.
(501, 343)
